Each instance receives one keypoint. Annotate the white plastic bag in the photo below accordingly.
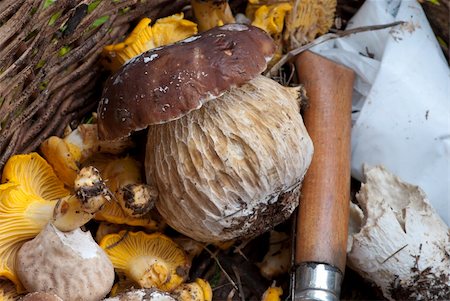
(401, 99)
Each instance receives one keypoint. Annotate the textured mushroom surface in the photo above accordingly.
(397, 240)
(145, 294)
(41, 296)
(68, 264)
(232, 168)
(166, 83)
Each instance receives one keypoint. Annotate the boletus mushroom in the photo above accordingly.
(224, 169)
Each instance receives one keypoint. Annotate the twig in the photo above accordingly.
(238, 278)
(326, 37)
(220, 286)
(10, 148)
(231, 295)
(213, 256)
(395, 253)
(239, 248)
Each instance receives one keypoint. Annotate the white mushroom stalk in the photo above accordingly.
(398, 241)
(235, 165)
(66, 154)
(84, 139)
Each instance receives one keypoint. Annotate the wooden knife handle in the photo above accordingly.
(322, 222)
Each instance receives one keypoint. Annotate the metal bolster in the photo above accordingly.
(317, 281)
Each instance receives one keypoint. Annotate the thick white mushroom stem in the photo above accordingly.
(398, 241)
(232, 168)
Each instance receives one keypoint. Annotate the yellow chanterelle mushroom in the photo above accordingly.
(200, 290)
(31, 195)
(27, 198)
(67, 154)
(123, 175)
(125, 181)
(133, 199)
(145, 37)
(309, 18)
(211, 13)
(151, 260)
(271, 18)
(277, 260)
(295, 22)
(273, 293)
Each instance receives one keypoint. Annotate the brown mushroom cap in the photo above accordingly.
(166, 83)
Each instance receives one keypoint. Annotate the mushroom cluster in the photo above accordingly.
(31, 196)
(226, 152)
(226, 147)
(144, 37)
(44, 250)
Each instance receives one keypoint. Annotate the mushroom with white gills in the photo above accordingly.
(231, 168)
(68, 264)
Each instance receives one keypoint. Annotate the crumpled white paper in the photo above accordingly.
(401, 104)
